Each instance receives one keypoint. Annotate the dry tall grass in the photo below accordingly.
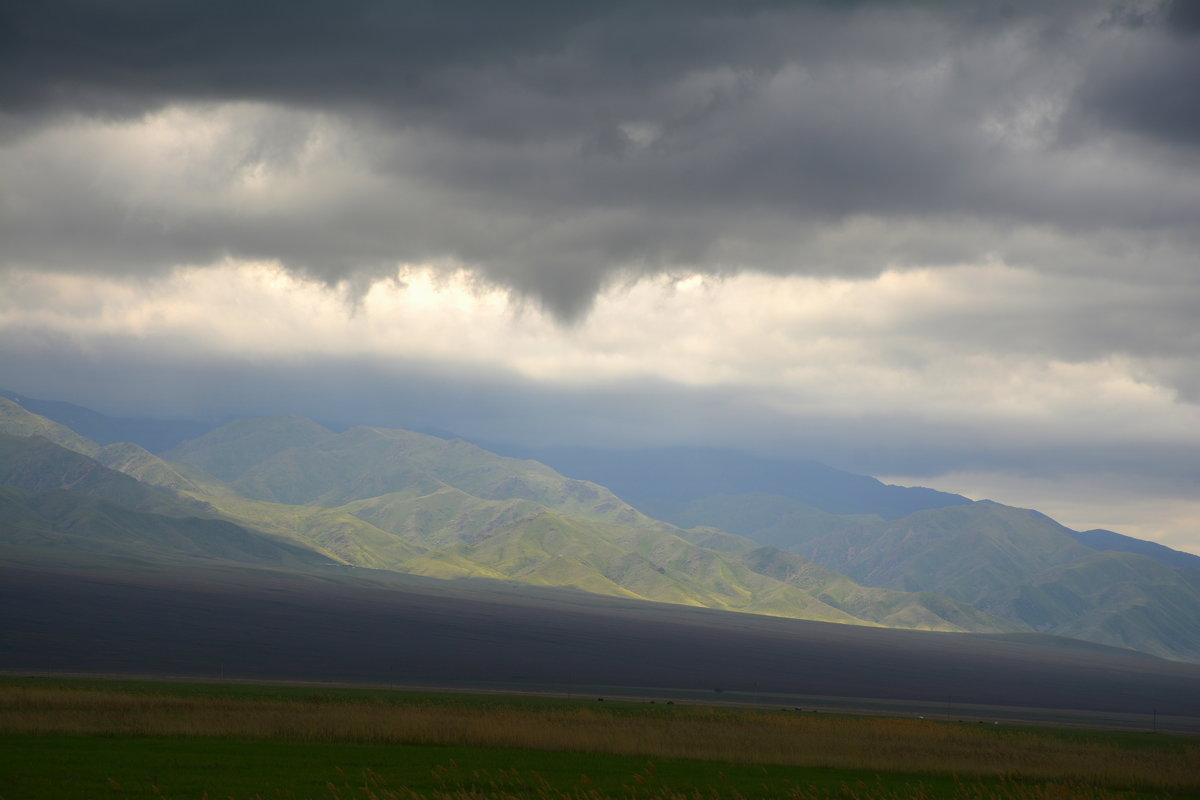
(720, 734)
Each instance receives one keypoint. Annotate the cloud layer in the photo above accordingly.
(555, 147)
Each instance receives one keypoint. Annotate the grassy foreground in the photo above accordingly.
(85, 739)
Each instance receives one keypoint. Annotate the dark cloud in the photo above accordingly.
(553, 146)
(124, 57)
(1183, 18)
(1137, 83)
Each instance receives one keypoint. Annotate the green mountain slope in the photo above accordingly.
(44, 469)
(43, 525)
(508, 539)
(16, 421)
(519, 539)
(447, 532)
(469, 512)
(139, 463)
(1113, 598)
(1100, 539)
(443, 517)
(38, 465)
(767, 519)
(1011, 563)
(230, 450)
(967, 553)
(298, 464)
(338, 535)
(888, 607)
(405, 502)
(719, 540)
(547, 548)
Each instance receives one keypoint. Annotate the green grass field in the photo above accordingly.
(67, 739)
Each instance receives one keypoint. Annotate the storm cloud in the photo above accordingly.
(555, 147)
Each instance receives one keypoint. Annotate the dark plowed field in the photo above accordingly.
(358, 627)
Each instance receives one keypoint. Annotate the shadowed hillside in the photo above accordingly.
(1008, 562)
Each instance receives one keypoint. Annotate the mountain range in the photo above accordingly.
(690, 527)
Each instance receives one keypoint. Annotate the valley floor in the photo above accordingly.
(68, 739)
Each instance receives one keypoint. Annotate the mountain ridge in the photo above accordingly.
(395, 500)
(152, 434)
(682, 474)
(1101, 539)
(586, 538)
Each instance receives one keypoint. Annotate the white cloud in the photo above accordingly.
(906, 343)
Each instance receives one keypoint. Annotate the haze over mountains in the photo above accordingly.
(722, 531)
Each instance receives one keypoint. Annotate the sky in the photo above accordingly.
(945, 244)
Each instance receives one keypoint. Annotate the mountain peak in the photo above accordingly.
(234, 448)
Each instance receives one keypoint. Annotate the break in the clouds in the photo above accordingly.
(914, 238)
